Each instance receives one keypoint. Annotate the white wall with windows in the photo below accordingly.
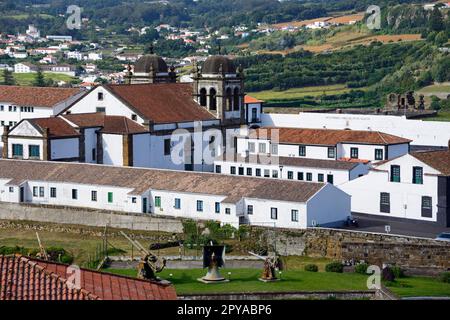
(305, 174)
(390, 190)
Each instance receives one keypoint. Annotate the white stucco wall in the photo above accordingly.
(430, 133)
(112, 149)
(64, 148)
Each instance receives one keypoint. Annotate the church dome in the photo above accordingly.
(144, 64)
(214, 64)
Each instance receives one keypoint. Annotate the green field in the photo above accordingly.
(26, 79)
(26, 16)
(297, 93)
(246, 280)
(442, 116)
(436, 88)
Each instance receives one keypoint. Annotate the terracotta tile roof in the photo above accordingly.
(36, 96)
(296, 162)
(109, 124)
(140, 180)
(249, 99)
(24, 278)
(329, 137)
(57, 127)
(162, 103)
(439, 160)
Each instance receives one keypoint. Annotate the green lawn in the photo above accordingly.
(436, 88)
(246, 280)
(26, 79)
(420, 287)
(297, 93)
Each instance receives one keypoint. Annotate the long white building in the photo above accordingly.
(292, 168)
(201, 196)
(325, 144)
(415, 186)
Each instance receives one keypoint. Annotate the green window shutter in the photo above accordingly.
(158, 202)
(110, 197)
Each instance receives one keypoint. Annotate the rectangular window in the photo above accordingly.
(94, 154)
(218, 169)
(418, 175)
(330, 179)
(199, 206)
(300, 176)
(250, 210)
(100, 96)
(262, 148)
(258, 172)
(134, 117)
(35, 192)
(249, 171)
(427, 207)
(217, 207)
(17, 150)
(233, 170)
(385, 202)
(94, 196)
(302, 151)
(379, 154)
(309, 176)
(275, 174)
(33, 151)
(227, 211)
(11, 189)
(266, 173)
(110, 197)
(321, 177)
(41, 192)
(52, 192)
(274, 149)
(241, 171)
(74, 194)
(100, 109)
(395, 173)
(157, 202)
(290, 175)
(134, 200)
(354, 153)
(294, 215)
(331, 153)
(251, 147)
(167, 147)
(274, 213)
(177, 203)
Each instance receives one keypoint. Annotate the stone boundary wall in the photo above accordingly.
(87, 217)
(374, 248)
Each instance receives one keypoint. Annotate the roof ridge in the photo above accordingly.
(381, 136)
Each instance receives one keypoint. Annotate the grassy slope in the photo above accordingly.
(26, 79)
(297, 93)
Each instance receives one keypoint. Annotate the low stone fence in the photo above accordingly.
(87, 217)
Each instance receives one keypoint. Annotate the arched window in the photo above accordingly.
(203, 100)
(212, 99)
(237, 99)
(229, 100)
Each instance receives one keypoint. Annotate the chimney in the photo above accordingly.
(5, 142)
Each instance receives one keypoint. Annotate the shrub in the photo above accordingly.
(311, 268)
(398, 272)
(336, 267)
(361, 268)
(445, 277)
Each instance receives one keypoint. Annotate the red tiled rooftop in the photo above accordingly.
(57, 127)
(329, 137)
(109, 124)
(36, 96)
(162, 103)
(249, 99)
(23, 278)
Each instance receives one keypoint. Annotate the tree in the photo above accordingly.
(8, 78)
(436, 20)
(39, 80)
(441, 38)
(435, 105)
